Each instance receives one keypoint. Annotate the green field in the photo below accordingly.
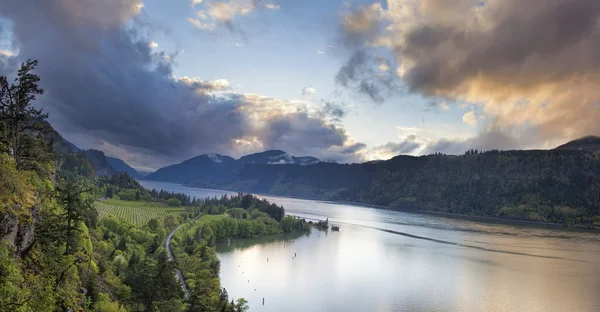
(138, 213)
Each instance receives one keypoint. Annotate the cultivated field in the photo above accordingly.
(134, 212)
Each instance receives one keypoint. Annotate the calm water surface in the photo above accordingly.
(393, 261)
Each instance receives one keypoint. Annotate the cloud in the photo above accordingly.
(320, 52)
(470, 119)
(437, 105)
(194, 2)
(392, 149)
(333, 111)
(383, 67)
(444, 106)
(202, 26)
(362, 24)
(360, 73)
(524, 63)
(225, 12)
(107, 88)
(309, 91)
(420, 141)
(487, 140)
(411, 141)
(6, 53)
(207, 86)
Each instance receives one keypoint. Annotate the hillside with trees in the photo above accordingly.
(58, 254)
(561, 186)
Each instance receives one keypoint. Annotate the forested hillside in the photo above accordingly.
(57, 253)
(561, 185)
(550, 186)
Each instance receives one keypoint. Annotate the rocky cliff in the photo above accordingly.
(18, 234)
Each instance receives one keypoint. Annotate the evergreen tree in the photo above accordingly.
(78, 206)
(22, 121)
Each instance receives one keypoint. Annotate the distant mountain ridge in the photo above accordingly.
(212, 170)
(88, 162)
(559, 185)
(101, 166)
(205, 169)
(278, 157)
(121, 166)
(587, 143)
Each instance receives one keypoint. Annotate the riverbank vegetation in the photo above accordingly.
(558, 186)
(58, 253)
(240, 216)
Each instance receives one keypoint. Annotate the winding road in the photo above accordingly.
(186, 292)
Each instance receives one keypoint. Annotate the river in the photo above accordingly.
(393, 261)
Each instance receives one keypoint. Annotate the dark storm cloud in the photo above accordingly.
(360, 26)
(106, 86)
(334, 110)
(361, 74)
(531, 63)
(542, 40)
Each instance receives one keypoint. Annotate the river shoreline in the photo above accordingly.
(448, 215)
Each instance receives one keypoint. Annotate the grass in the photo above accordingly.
(130, 203)
(134, 212)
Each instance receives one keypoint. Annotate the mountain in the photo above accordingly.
(539, 185)
(587, 143)
(278, 157)
(560, 185)
(319, 181)
(210, 170)
(73, 148)
(69, 163)
(120, 166)
(205, 170)
(71, 159)
(100, 163)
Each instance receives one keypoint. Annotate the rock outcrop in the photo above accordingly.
(18, 235)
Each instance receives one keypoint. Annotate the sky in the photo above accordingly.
(156, 82)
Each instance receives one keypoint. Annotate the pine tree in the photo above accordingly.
(23, 122)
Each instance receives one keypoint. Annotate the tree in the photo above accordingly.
(241, 305)
(11, 295)
(109, 192)
(171, 221)
(22, 120)
(174, 202)
(78, 207)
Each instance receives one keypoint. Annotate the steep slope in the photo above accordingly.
(98, 160)
(278, 157)
(540, 185)
(121, 166)
(587, 143)
(204, 170)
(320, 181)
(69, 163)
(73, 148)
